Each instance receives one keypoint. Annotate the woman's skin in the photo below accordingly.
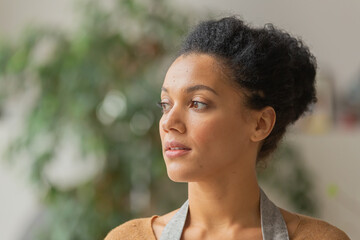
(224, 136)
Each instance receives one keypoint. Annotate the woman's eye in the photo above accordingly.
(163, 106)
(199, 105)
(195, 104)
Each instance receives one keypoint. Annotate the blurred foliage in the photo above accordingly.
(99, 85)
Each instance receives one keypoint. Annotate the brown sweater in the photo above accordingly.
(308, 229)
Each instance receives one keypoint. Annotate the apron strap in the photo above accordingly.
(174, 227)
(273, 226)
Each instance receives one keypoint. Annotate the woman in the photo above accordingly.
(227, 100)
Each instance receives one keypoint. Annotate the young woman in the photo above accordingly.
(227, 100)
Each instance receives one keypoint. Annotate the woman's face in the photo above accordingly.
(202, 111)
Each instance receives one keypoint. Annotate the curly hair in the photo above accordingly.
(276, 68)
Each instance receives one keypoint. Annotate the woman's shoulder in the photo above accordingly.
(313, 228)
(306, 227)
(139, 228)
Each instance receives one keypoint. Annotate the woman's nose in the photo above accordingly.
(173, 120)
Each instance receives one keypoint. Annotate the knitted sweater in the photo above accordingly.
(308, 228)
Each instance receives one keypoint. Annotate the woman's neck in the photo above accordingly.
(225, 201)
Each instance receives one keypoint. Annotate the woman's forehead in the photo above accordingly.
(194, 69)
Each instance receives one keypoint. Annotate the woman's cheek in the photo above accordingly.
(206, 133)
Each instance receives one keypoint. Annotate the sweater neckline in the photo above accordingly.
(151, 219)
(273, 225)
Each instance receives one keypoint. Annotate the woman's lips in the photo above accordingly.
(176, 152)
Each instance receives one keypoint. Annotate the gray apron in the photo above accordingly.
(273, 226)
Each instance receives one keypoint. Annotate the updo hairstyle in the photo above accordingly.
(274, 68)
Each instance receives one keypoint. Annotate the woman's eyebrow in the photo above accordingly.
(195, 88)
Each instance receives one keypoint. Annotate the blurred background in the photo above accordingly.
(79, 82)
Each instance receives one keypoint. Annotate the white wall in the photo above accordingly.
(16, 14)
(329, 27)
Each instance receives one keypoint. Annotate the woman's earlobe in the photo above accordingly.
(265, 123)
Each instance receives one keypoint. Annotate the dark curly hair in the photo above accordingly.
(277, 69)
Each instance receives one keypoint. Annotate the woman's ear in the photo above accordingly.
(265, 121)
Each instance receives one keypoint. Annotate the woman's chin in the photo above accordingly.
(180, 175)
